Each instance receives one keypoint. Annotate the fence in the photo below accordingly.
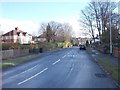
(7, 54)
(116, 52)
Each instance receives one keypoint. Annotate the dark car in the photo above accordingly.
(82, 47)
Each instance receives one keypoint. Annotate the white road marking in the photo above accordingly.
(25, 71)
(64, 56)
(69, 55)
(73, 55)
(70, 71)
(56, 62)
(97, 53)
(32, 76)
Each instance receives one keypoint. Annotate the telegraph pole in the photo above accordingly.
(119, 17)
(110, 35)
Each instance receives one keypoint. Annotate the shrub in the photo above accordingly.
(49, 45)
(7, 46)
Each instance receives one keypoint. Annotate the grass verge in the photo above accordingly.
(23, 60)
(90, 51)
(112, 69)
(108, 66)
(12, 64)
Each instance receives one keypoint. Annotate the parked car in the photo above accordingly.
(82, 47)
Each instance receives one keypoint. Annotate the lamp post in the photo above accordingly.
(110, 34)
(119, 17)
(118, 25)
(118, 36)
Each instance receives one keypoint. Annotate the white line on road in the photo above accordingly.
(32, 76)
(64, 56)
(68, 53)
(70, 71)
(25, 71)
(56, 62)
(97, 53)
(73, 55)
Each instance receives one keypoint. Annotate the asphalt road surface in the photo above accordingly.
(68, 68)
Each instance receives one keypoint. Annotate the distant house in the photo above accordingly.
(83, 40)
(41, 38)
(17, 36)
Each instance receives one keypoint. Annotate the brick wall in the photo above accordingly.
(116, 52)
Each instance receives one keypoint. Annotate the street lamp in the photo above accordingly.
(119, 25)
(110, 29)
(119, 17)
(110, 35)
(118, 28)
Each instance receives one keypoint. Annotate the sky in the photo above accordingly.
(28, 16)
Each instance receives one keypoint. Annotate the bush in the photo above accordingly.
(49, 46)
(60, 44)
(7, 46)
(25, 46)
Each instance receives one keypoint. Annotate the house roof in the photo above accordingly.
(14, 32)
(30, 34)
(42, 35)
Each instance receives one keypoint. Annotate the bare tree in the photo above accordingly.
(43, 27)
(100, 14)
(55, 26)
(56, 31)
(93, 6)
(67, 29)
(88, 21)
(49, 33)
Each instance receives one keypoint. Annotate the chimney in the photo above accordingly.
(16, 28)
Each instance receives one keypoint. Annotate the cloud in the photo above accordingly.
(44, 0)
(24, 25)
(34, 27)
(54, 0)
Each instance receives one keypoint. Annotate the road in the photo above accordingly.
(68, 68)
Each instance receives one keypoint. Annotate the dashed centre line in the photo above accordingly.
(56, 62)
(25, 71)
(70, 71)
(64, 56)
(32, 76)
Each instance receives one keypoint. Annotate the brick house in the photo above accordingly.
(17, 36)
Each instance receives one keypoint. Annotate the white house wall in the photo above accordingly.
(20, 39)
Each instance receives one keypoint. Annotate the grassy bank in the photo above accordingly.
(19, 61)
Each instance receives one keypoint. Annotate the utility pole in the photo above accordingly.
(110, 35)
(119, 17)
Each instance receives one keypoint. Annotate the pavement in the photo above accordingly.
(67, 68)
(97, 54)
